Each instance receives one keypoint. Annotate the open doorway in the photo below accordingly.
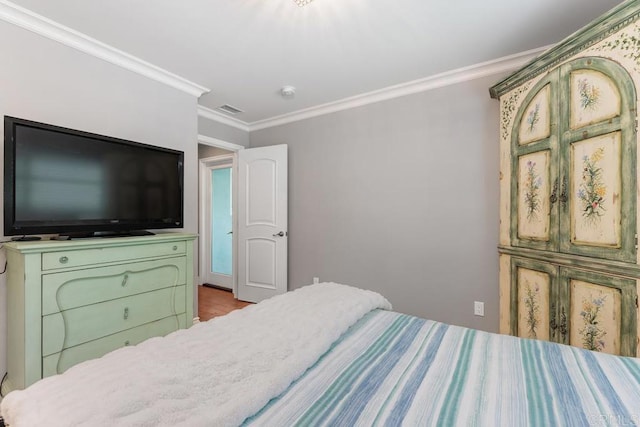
(217, 217)
(219, 224)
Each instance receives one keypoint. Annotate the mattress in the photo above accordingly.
(335, 355)
(216, 373)
(392, 369)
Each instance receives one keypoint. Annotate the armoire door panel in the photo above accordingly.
(532, 289)
(533, 303)
(594, 98)
(534, 191)
(596, 204)
(595, 317)
(536, 123)
(601, 311)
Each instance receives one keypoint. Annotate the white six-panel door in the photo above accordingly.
(262, 222)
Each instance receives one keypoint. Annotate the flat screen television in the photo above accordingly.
(69, 182)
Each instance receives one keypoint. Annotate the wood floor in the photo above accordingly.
(216, 302)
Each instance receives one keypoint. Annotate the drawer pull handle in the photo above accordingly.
(124, 281)
(175, 248)
(126, 343)
(64, 260)
(126, 313)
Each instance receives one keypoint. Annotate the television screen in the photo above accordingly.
(62, 181)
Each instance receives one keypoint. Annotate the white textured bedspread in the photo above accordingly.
(216, 373)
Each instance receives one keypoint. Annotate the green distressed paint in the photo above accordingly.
(604, 26)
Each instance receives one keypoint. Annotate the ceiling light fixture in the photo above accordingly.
(302, 2)
(288, 92)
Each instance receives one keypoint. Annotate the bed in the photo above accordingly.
(331, 354)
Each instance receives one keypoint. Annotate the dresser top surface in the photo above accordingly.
(95, 242)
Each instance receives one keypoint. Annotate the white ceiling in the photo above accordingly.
(246, 50)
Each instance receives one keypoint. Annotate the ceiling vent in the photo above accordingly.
(226, 108)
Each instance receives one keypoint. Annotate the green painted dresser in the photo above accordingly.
(569, 265)
(69, 301)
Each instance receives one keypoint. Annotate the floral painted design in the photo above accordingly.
(532, 185)
(592, 189)
(627, 43)
(589, 94)
(533, 118)
(533, 310)
(592, 334)
(509, 107)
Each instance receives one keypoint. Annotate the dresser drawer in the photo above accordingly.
(79, 325)
(59, 362)
(71, 289)
(78, 258)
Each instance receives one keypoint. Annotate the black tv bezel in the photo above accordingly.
(92, 227)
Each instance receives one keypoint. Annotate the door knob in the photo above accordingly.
(280, 234)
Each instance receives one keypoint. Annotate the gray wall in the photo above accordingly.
(45, 81)
(400, 197)
(224, 132)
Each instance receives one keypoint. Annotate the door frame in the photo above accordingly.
(207, 166)
(203, 168)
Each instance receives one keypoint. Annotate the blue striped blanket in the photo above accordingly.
(393, 369)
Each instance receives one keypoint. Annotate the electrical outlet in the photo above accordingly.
(478, 308)
(316, 280)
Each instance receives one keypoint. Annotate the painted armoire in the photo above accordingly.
(569, 265)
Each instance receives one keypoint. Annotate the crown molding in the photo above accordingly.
(215, 142)
(208, 113)
(22, 17)
(476, 71)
